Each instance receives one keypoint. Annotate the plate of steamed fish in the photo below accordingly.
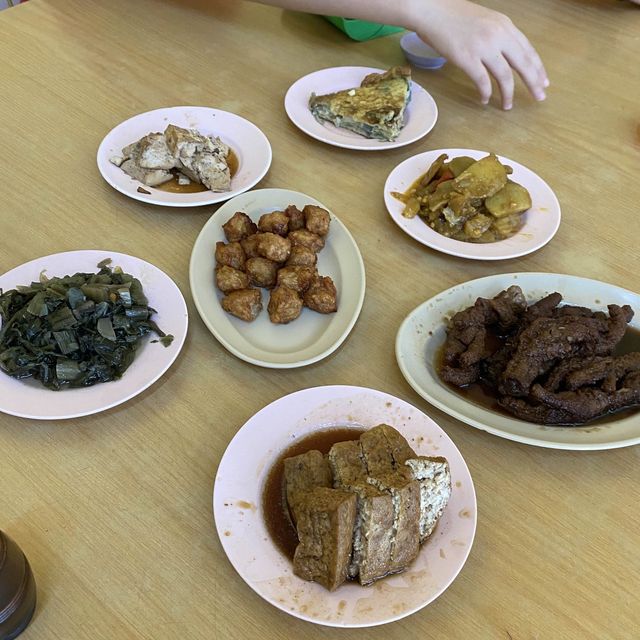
(472, 204)
(184, 156)
(545, 359)
(355, 511)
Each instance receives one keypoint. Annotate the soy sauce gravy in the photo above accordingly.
(274, 502)
(484, 395)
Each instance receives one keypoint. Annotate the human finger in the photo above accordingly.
(533, 58)
(480, 77)
(500, 69)
(530, 74)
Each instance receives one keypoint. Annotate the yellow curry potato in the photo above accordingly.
(512, 198)
(459, 164)
(482, 179)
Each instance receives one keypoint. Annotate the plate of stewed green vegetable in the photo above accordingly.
(472, 204)
(84, 331)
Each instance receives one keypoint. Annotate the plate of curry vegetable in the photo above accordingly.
(84, 331)
(472, 204)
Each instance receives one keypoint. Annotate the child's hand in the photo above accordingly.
(483, 42)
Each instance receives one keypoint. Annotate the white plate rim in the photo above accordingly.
(503, 250)
(483, 286)
(167, 199)
(365, 144)
(93, 256)
(313, 421)
(279, 195)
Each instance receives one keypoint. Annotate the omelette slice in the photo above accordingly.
(374, 110)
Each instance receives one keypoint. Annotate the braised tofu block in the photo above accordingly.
(296, 218)
(325, 522)
(231, 254)
(373, 534)
(297, 278)
(262, 272)
(284, 306)
(307, 239)
(321, 296)
(274, 247)
(275, 222)
(434, 477)
(150, 177)
(316, 219)
(239, 226)
(384, 450)
(230, 279)
(250, 245)
(245, 304)
(302, 256)
(303, 473)
(405, 498)
(201, 158)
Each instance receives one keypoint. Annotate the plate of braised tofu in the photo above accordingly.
(361, 108)
(277, 278)
(184, 156)
(360, 511)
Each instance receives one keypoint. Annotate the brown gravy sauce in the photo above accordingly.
(274, 503)
(483, 395)
(172, 185)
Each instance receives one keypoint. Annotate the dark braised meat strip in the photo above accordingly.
(466, 343)
(547, 340)
(538, 413)
(607, 370)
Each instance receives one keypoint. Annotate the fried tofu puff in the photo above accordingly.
(307, 239)
(296, 218)
(231, 254)
(239, 226)
(274, 247)
(302, 256)
(275, 222)
(230, 279)
(296, 278)
(250, 245)
(284, 306)
(245, 304)
(262, 272)
(321, 296)
(316, 219)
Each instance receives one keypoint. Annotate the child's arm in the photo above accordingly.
(482, 42)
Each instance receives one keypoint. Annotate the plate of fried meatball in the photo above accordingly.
(277, 278)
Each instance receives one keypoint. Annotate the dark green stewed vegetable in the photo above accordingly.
(75, 331)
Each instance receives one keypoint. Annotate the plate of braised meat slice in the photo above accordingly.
(277, 278)
(545, 359)
(356, 510)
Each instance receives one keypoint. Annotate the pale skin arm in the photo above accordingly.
(482, 42)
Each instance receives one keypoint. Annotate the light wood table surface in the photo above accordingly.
(114, 510)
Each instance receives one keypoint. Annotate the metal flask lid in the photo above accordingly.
(17, 589)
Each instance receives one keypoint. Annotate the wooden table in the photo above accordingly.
(114, 510)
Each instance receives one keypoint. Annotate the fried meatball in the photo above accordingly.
(245, 304)
(239, 226)
(230, 279)
(302, 256)
(231, 254)
(296, 218)
(316, 219)
(321, 296)
(275, 222)
(297, 278)
(250, 245)
(284, 306)
(307, 239)
(274, 247)
(262, 272)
